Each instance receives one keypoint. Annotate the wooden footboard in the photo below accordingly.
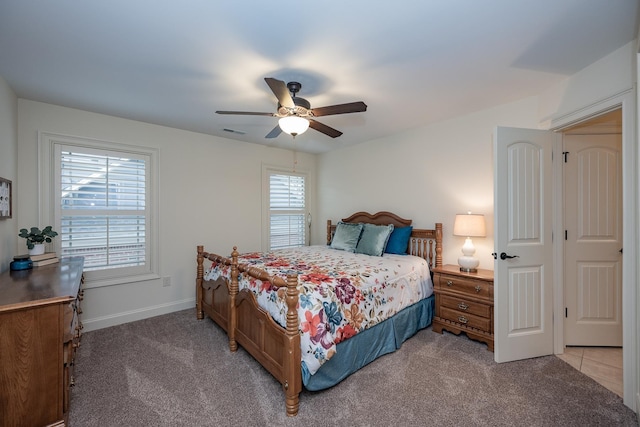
(276, 348)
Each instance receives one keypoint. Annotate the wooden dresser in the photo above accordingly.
(464, 303)
(39, 334)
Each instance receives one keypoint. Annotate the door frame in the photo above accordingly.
(624, 100)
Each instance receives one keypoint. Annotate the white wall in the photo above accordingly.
(8, 167)
(209, 193)
(428, 175)
(601, 80)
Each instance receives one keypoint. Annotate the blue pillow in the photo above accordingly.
(399, 241)
(374, 238)
(346, 236)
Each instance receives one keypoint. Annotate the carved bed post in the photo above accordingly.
(328, 232)
(233, 292)
(438, 244)
(199, 276)
(292, 373)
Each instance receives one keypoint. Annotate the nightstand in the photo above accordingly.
(464, 303)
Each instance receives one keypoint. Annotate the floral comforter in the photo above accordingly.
(341, 293)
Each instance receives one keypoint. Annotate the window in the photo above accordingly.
(102, 202)
(103, 208)
(287, 209)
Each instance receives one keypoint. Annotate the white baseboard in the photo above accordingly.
(132, 316)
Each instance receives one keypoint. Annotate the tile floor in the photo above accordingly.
(603, 364)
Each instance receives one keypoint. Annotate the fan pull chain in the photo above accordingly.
(295, 155)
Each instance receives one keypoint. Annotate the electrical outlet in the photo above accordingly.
(166, 282)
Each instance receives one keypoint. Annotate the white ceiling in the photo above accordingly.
(413, 62)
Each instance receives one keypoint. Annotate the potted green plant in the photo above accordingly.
(36, 238)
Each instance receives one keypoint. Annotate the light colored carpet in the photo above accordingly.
(174, 370)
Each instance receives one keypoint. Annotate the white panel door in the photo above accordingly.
(523, 287)
(593, 223)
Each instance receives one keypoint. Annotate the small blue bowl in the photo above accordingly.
(21, 264)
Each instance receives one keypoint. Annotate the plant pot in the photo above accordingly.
(38, 249)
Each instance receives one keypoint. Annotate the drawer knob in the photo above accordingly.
(478, 288)
(463, 306)
(463, 319)
(449, 283)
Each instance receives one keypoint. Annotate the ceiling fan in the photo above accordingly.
(296, 114)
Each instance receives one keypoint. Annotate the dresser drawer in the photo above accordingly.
(465, 306)
(471, 287)
(466, 319)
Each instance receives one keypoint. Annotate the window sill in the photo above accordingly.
(112, 281)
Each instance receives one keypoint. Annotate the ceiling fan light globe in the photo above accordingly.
(294, 125)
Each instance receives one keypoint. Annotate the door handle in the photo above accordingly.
(505, 256)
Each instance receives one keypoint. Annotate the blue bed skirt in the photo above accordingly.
(368, 345)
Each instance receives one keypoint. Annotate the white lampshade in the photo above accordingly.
(469, 225)
(294, 125)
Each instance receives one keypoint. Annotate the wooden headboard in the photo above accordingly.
(424, 243)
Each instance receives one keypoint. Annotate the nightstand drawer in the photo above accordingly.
(465, 306)
(466, 319)
(466, 286)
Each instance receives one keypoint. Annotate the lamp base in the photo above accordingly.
(468, 264)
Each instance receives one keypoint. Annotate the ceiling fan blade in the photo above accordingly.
(351, 107)
(279, 89)
(333, 133)
(245, 113)
(275, 132)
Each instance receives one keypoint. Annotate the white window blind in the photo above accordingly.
(287, 210)
(103, 203)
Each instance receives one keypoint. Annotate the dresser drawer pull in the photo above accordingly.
(478, 288)
(463, 319)
(449, 283)
(463, 306)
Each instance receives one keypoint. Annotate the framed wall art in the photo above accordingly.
(5, 198)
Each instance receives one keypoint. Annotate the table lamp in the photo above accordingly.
(469, 225)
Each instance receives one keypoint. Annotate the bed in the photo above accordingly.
(281, 306)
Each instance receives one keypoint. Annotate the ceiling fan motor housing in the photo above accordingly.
(302, 107)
